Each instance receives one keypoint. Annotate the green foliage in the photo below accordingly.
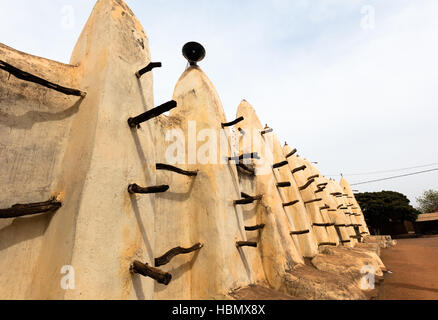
(428, 202)
(381, 208)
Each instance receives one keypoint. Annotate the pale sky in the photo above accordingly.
(354, 94)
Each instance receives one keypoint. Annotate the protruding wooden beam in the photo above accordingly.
(148, 271)
(254, 228)
(345, 241)
(284, 184)
(246, 244)
(319, 191)
(313, 200)
(313, 177)
(280, 165)
(340, 225)
(266, 131)
(245, 195)
(245, 168)
(168, 256)
(134, 188)
(290, 154)
(323, 224)
(248, 200)
(148, 68)
(290, 204)
(336, 194)
(340, 206)
(356, 237)
(306, 185)
(166, 167)
(232, 123)
(332, 210)
(253, 155)
(242, 132)
(303, 167)
(324, 207)
(321, 185)
(21, 210)
(297, 233)
(333, 244)
(32, 78)
(148, 115)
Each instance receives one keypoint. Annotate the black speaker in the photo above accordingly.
(194, 52)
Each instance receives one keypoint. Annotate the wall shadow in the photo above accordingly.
(138, 287)
(245, 264)
(141, 226)
(175, 196)
(140, 151)
(29, 119)
(143, 99)
(179, 271)
(24, 229)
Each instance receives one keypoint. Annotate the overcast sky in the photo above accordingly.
(352, 84)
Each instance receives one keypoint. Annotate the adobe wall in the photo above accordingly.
(81, 151)
(34, 128)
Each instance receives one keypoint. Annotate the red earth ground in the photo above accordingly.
(414, 267)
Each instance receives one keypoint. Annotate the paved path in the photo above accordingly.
(414, 263)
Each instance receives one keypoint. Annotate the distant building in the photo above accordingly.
(427, 223)
(395, 228)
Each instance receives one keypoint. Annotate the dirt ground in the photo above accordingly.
(256, 292)
(414, 267)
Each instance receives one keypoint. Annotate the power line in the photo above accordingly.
(384, 171)
(394, 177)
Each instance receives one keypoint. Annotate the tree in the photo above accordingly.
(385, 207)
(428, 202)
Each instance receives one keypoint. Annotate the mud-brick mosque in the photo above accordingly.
(87, 183)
